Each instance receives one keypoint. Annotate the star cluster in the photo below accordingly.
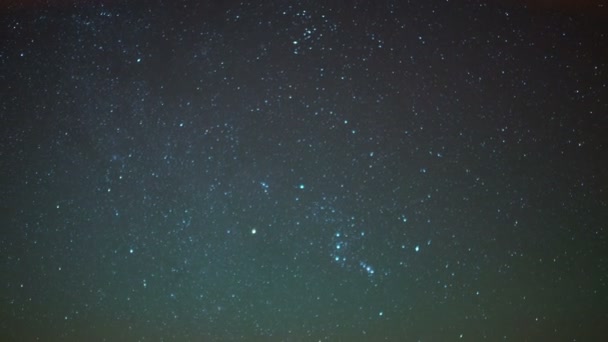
(303, 171)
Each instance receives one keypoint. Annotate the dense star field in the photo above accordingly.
(304, 171)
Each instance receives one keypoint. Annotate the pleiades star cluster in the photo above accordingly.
(303, 171)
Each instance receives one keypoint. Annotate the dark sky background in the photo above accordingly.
(304, 171)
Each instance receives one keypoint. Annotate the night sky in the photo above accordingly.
(304, 171)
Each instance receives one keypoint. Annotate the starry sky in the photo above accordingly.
(304, 171)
